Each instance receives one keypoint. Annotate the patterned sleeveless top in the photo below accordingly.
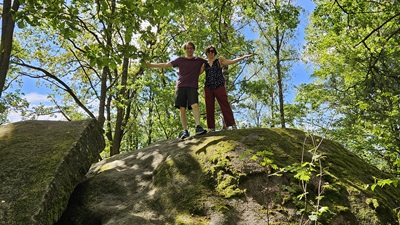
(214, 77)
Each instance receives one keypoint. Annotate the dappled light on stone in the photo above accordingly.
(119, 165)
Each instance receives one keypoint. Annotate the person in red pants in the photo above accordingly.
(214, 88)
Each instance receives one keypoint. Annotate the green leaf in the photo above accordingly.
(303, 175)
(323, 209)
(313, 217)
(373, 187)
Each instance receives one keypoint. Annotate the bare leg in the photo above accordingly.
(196, 113)
(183, 118)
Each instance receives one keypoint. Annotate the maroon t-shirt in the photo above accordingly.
(189, 71)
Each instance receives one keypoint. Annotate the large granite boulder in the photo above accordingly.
(41, 162)
(241, 177)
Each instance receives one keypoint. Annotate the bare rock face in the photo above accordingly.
(241, 177)
(41, 162)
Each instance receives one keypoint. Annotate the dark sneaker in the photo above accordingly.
(200, 130)
(185, 134)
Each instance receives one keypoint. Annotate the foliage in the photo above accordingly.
(382, 182)
(313, 185)
(91, 55)
(275, 22)
(354, 50)
(11, 102)
(261, 93)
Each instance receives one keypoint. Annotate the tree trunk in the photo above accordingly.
(150, 118)
(278, 69)
(281, 105)
(272, 109)
(122, 99)
(7, 33)
(108, 124)
(103, 95)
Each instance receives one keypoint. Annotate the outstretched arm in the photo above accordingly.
(225, 62)
(158, 65)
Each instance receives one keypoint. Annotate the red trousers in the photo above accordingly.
(222, 97)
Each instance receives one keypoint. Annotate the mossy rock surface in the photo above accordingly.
(41, 162)
(214, 179)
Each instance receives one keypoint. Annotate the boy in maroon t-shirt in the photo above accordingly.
(186, 94)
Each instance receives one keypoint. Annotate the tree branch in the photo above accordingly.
(376, 29)
(64, 85)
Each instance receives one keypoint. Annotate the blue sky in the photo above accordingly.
(300, 74)
(36, 95)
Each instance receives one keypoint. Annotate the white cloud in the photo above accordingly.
(34, 97)
(14, 116)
